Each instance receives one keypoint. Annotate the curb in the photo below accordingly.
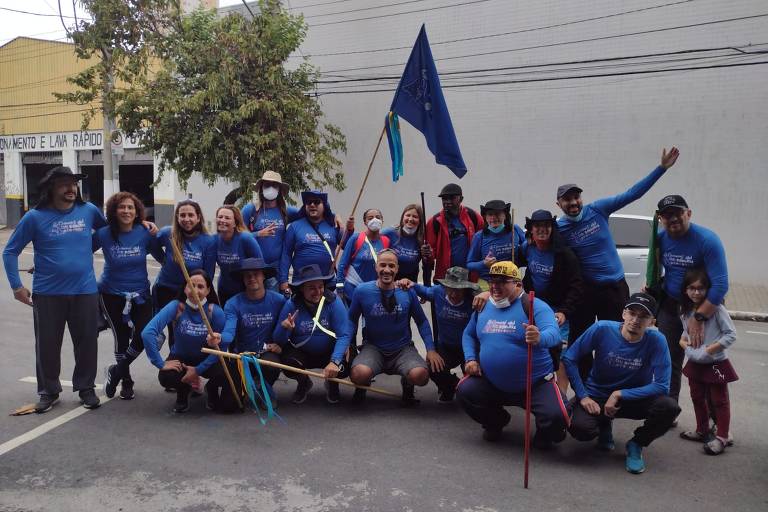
(748, 315)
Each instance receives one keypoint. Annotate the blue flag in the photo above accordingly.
(419, 100)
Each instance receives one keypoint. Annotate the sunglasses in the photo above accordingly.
(313, 202)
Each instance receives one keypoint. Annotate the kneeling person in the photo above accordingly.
(388, 347)
(314, 332)
(629, 379)
(496, 374)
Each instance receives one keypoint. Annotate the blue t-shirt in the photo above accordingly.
(541, 264)
(310, 338)
(303, 247)
(228, 256)
(198, 252)
(499, 245)
(250, 323)
(189, 333)
(125, 260)
(699, 247)
(640, 370)
(451, 319)
(257, 219)
(503, 353)
(389, 332)
(590, 237)
(62, 243)
(457, 233)
(407, 249)
(362, 268)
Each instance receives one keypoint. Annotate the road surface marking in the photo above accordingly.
(67, 383)
(758, 332)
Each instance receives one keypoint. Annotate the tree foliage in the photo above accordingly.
(119, 38)
(225, 105)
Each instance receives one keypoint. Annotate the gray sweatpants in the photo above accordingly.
(79, 313)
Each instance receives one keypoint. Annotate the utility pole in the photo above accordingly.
(111, 161)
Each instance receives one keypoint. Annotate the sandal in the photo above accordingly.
(692, 435)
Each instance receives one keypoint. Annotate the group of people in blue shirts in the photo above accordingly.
(299, 287)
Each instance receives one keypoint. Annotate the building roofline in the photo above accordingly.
(36, 39)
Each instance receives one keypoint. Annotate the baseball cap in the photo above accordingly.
(505, 269)
(672, 201)
(643, 300)
(451, 189)
(564, 189)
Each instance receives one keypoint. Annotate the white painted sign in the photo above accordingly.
(59, 141)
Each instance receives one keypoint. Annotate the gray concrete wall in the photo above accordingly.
(520, 141)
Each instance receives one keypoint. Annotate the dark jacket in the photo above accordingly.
(566, 287)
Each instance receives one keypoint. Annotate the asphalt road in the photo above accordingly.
(137, 455)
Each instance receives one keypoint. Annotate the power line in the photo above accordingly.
(35, 13)
(361, 9)
(513, 32)
(563, 43)
(461, 4)
(46, 114)
(571, 77)
(320, 4)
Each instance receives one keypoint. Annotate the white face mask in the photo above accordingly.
(375, 224)
(270, 193)
(501, 304)
(410, 231)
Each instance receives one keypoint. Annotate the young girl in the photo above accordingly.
(708, 369)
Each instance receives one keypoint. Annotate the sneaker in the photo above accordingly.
(359, 395)
(126, 390)
(445, 396)
(729, 441)
(693, 435)
(605, 438)
(111, 379)
(89, 399)
(492, 435)
(332, 394)
(45, 403)
(409, 392)
(714, 446)
(634, 462)
(302, 390)
(182, 403)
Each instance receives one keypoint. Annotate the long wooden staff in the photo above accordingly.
(180, 260)
(528, 392)
(303, 372)
(340, 247)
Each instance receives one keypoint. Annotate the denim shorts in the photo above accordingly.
(396, 363)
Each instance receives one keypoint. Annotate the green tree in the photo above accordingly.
(224, 104)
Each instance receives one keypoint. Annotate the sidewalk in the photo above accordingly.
(744, 301)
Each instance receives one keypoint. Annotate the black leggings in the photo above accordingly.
(128, 341)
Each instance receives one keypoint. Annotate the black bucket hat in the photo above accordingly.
(310, 273)
(495, 205)
(59, 172)
(253, 264)
(540, 216)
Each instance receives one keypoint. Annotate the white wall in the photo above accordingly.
(520, 141)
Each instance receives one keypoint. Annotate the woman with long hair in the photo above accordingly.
(233, 243)
(198, 248)
(268, 218)
(124, 286)
(406, 240)
(186, 363)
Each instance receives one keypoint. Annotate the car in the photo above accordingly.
(631, 233)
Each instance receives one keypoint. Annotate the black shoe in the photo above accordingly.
(45, 403)
(182, 403)
(359, 395)
(89, 399)
(409, 392)
(332, 394)
(111, 379)
(492, 435)
(170, 390)
(126, 390)
(445, 396)
(302, 390)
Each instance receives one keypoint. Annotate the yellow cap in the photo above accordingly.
(506, 269)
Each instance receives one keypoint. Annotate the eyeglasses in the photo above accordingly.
(696, 289)
(313, 202)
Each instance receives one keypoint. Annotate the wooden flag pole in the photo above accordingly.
(180, 260)
(341, 245)
(303, 372)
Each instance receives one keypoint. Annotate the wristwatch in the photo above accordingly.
(700, 317)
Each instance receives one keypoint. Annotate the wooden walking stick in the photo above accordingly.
(340, 247)
(528, 385)
(303, 372)
(180, 260)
